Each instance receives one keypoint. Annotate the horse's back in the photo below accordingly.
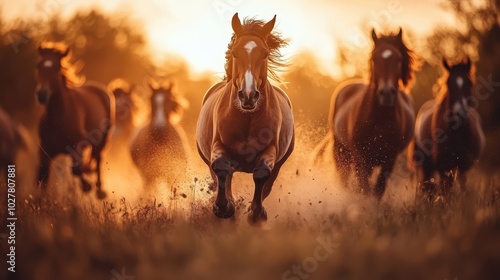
(98, 104)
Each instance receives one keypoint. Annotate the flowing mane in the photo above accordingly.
(68, 71)
(408, 57)
(274, 42)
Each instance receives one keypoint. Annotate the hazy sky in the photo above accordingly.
(200, 30)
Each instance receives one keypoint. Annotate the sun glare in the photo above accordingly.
(199, 31)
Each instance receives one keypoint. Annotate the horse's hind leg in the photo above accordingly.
(97, 156)
(43, 171)
(447, 179)
(77, 169)
(222, 174)
(343, 160)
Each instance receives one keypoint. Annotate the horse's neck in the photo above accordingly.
(59, 101)
(159, 118)
(442, 114)
(370, 100)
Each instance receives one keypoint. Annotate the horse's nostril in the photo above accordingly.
(241, 95)
(256, 95)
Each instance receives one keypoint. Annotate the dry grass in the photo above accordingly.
(176, 236)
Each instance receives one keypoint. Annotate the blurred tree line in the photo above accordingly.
(103, 47)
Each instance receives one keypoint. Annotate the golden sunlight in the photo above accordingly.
(198, 31)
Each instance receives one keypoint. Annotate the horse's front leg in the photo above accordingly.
(43, 171)
(222, 173)
(261, 175)
(384, 175)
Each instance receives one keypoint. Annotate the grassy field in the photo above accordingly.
(316, 230)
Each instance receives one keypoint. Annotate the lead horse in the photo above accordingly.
(448, 133)
(371, 124)
(77, 120)
(246, 124)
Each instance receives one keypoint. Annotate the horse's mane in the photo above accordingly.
(441, 88)
(119, 84)
(274, 41)
(408, 57)
(68, 70)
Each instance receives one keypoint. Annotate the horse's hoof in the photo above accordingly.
(101, 194)
(222, 213)
(86, 186)
(257, 218)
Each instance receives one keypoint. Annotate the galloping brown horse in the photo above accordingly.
(371, 124)
(246, 124)
(448, 133)
(160, 149)
(77, 120)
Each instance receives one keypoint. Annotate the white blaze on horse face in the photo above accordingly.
(386, 54)
(48, 63)
(248, 82)
(159, 117)
(460, 82)
(249, 46)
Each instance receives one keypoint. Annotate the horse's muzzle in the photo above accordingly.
(43, 96)
(387, 97)
(248, 102)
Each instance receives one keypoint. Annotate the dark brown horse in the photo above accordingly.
(371, 124)
(448, 134)
(126, 110)
(77, 120)
(246, 124)
(160, 149)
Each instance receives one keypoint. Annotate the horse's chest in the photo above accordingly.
(248, 146)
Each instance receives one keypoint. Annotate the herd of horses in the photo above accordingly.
(246, 123)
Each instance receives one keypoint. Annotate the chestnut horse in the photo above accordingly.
(77, 120)
(371, 124)
(448, 133)
(246, 124)
(160, 149)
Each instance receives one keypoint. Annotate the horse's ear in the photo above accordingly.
(445, 64)
(41, 50)
(268, 27)
(468, 63)
(171, 85)
(400, 34)
(374, 36)
(236, 25)
(66, 52)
